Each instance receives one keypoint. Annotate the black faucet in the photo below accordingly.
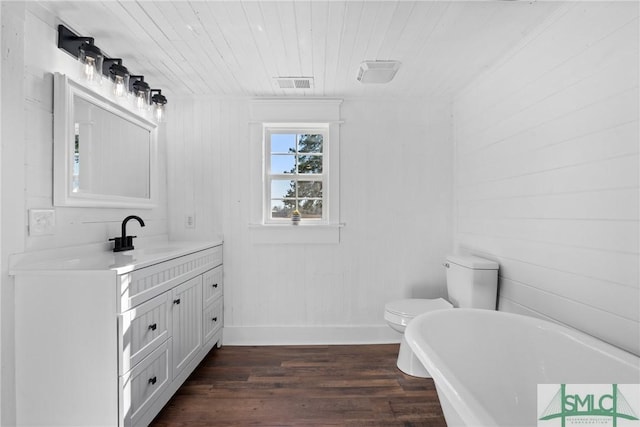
(125, 243)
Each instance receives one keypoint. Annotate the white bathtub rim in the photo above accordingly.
(469, 410)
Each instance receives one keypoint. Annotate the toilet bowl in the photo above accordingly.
(472, 282)
(398, 314)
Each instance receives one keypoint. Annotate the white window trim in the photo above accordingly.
(296, 113)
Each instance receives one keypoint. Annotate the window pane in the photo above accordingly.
(310, 164)
(309, 189)
(283, 163)
(283, 143)
(310, 208)
(282, 189)
(282, 208)
(310, 143)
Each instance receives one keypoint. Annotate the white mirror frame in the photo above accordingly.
(65, 89)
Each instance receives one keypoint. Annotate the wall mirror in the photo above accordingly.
(104, 154)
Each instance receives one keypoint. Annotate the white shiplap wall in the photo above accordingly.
(30, 56)
(396, 185)
(12, 180)
(547, 167)
(194, 168)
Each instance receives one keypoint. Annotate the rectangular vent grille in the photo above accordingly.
(294, 82)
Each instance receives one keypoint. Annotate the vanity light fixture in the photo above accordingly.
(159, 101)
(89, 55)
(119, 76)
(95, 65)
(141, 92)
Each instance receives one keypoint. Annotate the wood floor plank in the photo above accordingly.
(302, 386)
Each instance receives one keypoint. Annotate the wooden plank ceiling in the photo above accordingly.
(236, 48)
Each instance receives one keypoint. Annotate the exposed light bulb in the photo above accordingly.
(159, 101)
(160, 113)
(118, 86)
(120, 77)
(89, 68)
(141, 101)
(91, 59)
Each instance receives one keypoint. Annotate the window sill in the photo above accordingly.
(295, 234)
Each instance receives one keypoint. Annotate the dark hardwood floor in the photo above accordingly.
(302, 386)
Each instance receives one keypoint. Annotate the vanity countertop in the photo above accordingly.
(101, 257)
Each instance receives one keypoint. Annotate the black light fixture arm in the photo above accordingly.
(157, 97)
(108, 62)
(133, 79)
(70, 42)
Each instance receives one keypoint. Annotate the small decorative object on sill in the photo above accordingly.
(295, 217)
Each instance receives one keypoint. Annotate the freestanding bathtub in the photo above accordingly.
(487, 364)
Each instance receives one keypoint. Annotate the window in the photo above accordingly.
(295, 173)
(294, 163)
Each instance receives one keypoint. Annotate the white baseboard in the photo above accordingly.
(309, 335)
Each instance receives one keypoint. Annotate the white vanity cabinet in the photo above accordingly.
(106, 340)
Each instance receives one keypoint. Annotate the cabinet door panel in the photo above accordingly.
(186, 312)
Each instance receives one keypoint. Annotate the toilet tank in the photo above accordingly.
(472, 282)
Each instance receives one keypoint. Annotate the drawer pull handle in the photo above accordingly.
(153, 380)
(176, 301)
(153, 327)
(215, 319)
(215, 285)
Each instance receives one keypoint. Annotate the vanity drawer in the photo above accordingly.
(143, 328)
(211, 285)
(145, 283)
(212, 320)
(145, 383)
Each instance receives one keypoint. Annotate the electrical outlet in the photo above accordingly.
(190, 221)
(42, 222)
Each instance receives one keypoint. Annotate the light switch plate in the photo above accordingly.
(42, 222)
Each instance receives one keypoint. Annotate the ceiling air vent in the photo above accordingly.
(377, 71)
(294, 82)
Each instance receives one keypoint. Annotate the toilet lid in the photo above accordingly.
(414, 306)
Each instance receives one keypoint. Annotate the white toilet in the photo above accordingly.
(472, 282)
